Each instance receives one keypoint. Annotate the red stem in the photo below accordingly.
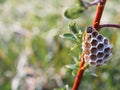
(79, 74)
(99, 11)
(109, 25)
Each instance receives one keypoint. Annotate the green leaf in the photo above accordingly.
(71, 66)
(94, 74)
(74, 46)
(74, 72)
(73, 27)
(66, 87)
(91, 73)
(79, 35)
(2, 1)
(74, 13)
(75, 59)
(68, 36)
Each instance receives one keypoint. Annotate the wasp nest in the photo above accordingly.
(97, 49)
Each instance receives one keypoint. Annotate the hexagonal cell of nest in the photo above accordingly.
(107, 50)
(93, 57)
(89, 37)
(105, 62)
(86, 57)
(100, 55)
(93, 50)
(94, 42)
(99, 61)
(107, 56)
(100, 38)
(98, 65)
(106, 41)
(100, 47)
(93, 63)
(89, 29)
(87, 51)
(94, 34)
(87, 45)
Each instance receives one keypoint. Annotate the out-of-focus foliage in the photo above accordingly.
(29, 35)
(74, 13)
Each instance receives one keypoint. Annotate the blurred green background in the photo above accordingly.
(32, 55)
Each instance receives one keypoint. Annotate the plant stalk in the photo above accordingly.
(99, 12)
(79, 74)
(108, 25)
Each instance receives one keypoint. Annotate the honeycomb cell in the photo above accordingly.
(106, 42)
(105, 62)
(100, 47)
(92, 63)
(110, 55)
(86, 58)
(100, 54)
(107, 50)
(94, 34)
(89, 38)
(99, 61)
(87, 51)
(89, 29)
(94, 42)
(96, 48)
(93, 57)
(93, 50)
(87, 45)
(106, 56)
(98, 65)
(100, 38)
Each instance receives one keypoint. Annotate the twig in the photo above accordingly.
(89, 4)
(99, 11)
(95, 2)
(108, 25)
(79, 74)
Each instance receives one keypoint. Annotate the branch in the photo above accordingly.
(108, 25)
(79, 74)
(99, 11)
(89, 4)
(95, 2)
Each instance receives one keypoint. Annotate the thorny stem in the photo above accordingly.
(99, 11)
(79, 74)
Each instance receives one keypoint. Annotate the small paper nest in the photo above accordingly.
(97, 49)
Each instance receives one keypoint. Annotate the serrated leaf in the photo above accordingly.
(74, 13)
(68, 36)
